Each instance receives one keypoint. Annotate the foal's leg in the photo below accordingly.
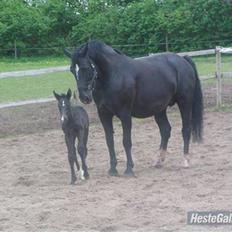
(165, 132)
(126, 126)
(107, 123)
(72, 158)
(186, 115)
(82, 150)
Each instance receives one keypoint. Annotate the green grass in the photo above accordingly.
(25, 63)
(18, 89)
(25, 88)
(224, 107)
(207, 65)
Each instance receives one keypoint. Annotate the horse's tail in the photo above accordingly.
(197, 107)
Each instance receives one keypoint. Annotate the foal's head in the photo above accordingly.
(64, 106)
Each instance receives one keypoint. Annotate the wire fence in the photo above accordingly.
(217, 89)
(133, 50)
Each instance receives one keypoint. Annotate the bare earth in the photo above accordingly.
(35, 194)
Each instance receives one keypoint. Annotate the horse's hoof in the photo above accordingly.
(113, 172)
(129, 173)
(158, 164)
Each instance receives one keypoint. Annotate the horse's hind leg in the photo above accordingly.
(127, 143)
(165, 132)
(186, 115)
(72, 158)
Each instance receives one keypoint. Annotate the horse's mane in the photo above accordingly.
(94, 46)
(97, 45)
(118, 51)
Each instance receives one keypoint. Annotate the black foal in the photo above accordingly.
(75, 124)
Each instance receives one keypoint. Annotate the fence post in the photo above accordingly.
(166, 42)
(218, 76)
(15, 50)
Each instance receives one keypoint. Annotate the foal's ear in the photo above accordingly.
(69, 94)
(57, 96)
(75, 95)
(67, 53)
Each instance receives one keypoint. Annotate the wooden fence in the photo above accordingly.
(218, 75)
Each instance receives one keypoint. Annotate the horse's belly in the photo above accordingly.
(147, 107)
(147, 110)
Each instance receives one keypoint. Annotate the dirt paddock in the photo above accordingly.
(35, 194)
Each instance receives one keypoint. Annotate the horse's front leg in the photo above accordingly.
(126, 126)
(107, 123)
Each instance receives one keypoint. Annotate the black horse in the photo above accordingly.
(142, 87)
(75, 124)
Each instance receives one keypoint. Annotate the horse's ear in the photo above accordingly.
(69, 94)
(67, 53)
(57, 96)
(85, 50)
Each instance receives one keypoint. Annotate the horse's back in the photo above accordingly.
(169, 65)
(160, 79)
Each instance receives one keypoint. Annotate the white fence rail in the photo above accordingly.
(33, 72)
(219, 74)
(22, 103)
(37, 72)
(198, 53)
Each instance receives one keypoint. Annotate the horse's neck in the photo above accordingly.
(103, 59)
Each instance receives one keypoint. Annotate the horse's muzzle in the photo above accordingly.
(85, 98)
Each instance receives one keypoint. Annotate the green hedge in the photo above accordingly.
(135, 27)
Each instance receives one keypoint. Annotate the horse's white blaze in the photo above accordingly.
(77, 68)
(63, 103)
(82, 174)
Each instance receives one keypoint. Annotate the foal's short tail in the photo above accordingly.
(197, 108)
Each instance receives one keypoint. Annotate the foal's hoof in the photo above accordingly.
(129, 173)
(186, 164)
(73, 180)
(113, 172)
(86, 175)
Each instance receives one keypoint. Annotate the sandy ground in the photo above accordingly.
(35, 194)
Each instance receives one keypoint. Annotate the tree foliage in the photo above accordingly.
(147, 25)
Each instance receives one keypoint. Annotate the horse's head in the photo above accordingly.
(84, 72)
(64, 106)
